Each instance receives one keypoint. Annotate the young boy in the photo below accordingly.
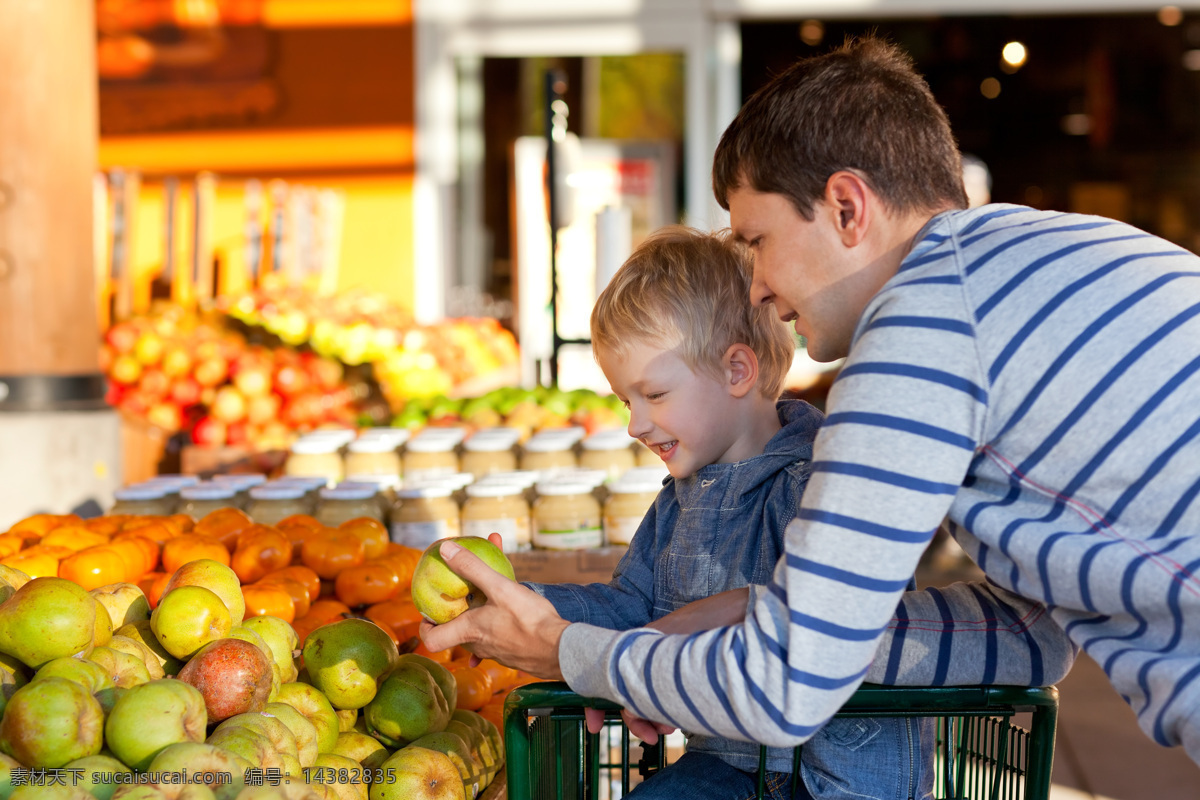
(701, 372)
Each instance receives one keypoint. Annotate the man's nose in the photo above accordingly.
(760, 293)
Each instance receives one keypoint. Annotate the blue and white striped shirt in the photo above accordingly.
(1032, 379)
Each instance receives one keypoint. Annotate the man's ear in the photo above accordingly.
(851, 202)
(741, 369)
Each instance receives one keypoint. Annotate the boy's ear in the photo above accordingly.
(741, 369)
(850, 200)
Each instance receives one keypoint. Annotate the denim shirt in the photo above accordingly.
(722, 528)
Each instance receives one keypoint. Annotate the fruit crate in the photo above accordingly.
(984, 751)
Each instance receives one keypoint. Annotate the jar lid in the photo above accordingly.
(547, 443)
(277, 492)
(142, 491)
(351, 492)
(495, 490)
(173, 482)
(319, 445)
(455, 433)
(487, 442)
(372, 444)
(308, 482)
(340, 435)
(430, 444)
(242, 480)
(520, 477)
(208, 491)
(592, 477)
(397, 435)
(416, 492)
(560, 487)
(612, 439)
(458, 479)
(379, 481)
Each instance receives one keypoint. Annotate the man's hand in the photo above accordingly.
(516, 627)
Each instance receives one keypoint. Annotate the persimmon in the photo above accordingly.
(373, 533)
(94, 566)
(322, 612)
(310, 580)
(55, 551)
(192, 547)
(333, 552)
(105, 525)
(299, 592)
(185, 522)
(404, 561)
(493, 712)
(157, 529)
(440, 656)
(298, 533)
(75, 537)
(38, 525)
(260, 550)
(399, 614)
(224, 525)
(141, 553)
(367, 583)
(147, 582)
(502, 677)
(474, 688)
(388, 630)
(10, 543)
(270, 600)
(35, 565)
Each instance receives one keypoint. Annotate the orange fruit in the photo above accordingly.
(269, 600)
(192, 547)
(373, 533)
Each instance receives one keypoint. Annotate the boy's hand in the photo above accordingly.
(516, 627)
(715, 611)
(643, 729)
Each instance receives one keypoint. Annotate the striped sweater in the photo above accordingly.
(1032, 380)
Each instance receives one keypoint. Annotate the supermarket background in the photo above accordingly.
(227, 223)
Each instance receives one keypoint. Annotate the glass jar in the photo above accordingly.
(270, 503)
(610, 451)
(343, 503)
(316, 457)
(497, 508)
(372, 455)
(312, 486)
(566, 517)
(429, 456)
(488, 452)
(242, 484)
(628, 501)
(423, 514)
(525, 478)
(143, 498)
(204, 498)
(546, 453)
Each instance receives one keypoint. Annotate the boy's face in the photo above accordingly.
(682, 415)
(802, 267)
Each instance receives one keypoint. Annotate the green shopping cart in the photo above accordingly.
(984, 750)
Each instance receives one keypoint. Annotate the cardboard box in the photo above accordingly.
(567, 566)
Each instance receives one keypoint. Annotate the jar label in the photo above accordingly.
(514, 532)
(420, 535)
(620, 530)
(575, 539)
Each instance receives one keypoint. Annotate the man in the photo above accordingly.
(1032, 378)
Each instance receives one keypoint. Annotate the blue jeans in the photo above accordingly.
(699, 775)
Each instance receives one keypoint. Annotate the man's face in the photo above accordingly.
(802, 267)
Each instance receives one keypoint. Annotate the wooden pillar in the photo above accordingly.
(48, 139)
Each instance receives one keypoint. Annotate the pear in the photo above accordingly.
(46, 619)
(443, 677)
(439, 593)
(342, 775)
(408, 705)
(217, 578)
(51, 721)
(13, 675)
(419, 773)
(187, 618)
(142, 633)
(345, 660)
(471, 770)
(92, 772)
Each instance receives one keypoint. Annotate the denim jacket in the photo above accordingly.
(722, 528)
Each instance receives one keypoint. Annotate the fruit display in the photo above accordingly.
(168, 657)
(526, 410)
(256, 369)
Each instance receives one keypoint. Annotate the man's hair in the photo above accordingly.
(861, 107)
(689, 291)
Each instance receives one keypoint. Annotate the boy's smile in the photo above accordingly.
(690, 419)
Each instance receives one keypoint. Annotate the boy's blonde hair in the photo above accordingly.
(689, 291)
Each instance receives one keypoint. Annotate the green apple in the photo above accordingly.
(140, 651)
(220, 770)
(269, 727)
(147, 718)
(92, 770)
(303, 730)
(142, 633)
(187, 618)
(126, 669)
(281, 637)
(441, 595)
(51, 721)
(314, 705)
(124, 602)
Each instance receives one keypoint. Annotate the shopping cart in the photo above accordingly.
(982, 751)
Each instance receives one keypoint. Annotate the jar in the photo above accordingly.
(423, 514)
(270, 503)
(172, 483)
(497, 508)
(204, 498)
(566, 517)
(312, 486)
(315, 457)
(242, 484)
(397, 436)
(628, 501)
(455, 434)
(372, 455)
(546, 453)
(342, 436)
(525, 478)
(610, 451)
(143, 498)
(427, 456)
(488, 452)
(343, 503)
